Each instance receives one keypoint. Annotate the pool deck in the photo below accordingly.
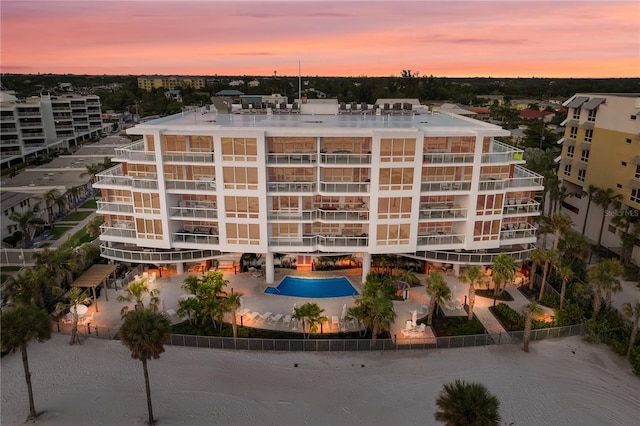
(254, 299)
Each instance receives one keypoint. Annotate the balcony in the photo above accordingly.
(440, 238)
(118, 230)
(30, 125)
(345, 187)
(188, 157)
(291, 187)
(525, 178)
(32, 135)
(190, 185)
(442, 212)
(315, 242)
(105, 207)
(126, 253)
(114, 177)
(134, 152)
(188, 213)
(445, 186)
(447, 158)
(195, 239)
(343, 215)
(519, 233)
(8, 130)
(291, 158)
(346, 158)
(7, 118)
(518, 207)
(29, 113)
(503, 153)
(492, 184)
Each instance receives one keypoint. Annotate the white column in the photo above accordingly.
(180, 268)
(456, 269)
(269, 267)
(366, 266)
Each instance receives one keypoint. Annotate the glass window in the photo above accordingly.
(582, 175)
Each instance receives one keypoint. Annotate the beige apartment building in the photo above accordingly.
(169, 83)
(601, 147)
(318, 180)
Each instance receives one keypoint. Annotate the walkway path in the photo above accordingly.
(72, 231)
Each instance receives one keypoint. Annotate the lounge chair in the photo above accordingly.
(275, 318)
(422, 328)
(265, 316)
(335, 322)
(286, 321)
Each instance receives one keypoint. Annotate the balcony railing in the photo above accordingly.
(517, 207)
(149, 256)
(189, 238)
(439, 239)
(291, 186)
(193, 213)
(314, 241)
(524, 178)
(427, 212)
(135, 152)
(445, 186)
(120, 230)
(193, 185)
(516, 234)
(28, 114)
(188, 157)
(492, 184)
(345, 158)
(30, 125)
(447, 158)
(291, 158)
(32, 134)
(114, 207)
(320, 214)
(344, 187)
(114, 177)
(478, 258)
(502, 153)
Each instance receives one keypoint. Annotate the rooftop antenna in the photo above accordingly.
(299, 84)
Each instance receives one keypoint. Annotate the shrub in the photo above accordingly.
(634, 359)
(571, 314)
(550, 300)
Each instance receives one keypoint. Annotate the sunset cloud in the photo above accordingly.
(374, 38)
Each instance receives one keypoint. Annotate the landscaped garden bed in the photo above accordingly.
(514, 321)
(454, 326)
(505, 296)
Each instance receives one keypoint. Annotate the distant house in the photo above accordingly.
(253, 83)
(235, 83)
(176, 95)
(534, 114)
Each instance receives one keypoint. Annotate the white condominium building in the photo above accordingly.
(37, 124)
(318, 180)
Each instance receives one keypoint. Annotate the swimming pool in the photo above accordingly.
(313, 287)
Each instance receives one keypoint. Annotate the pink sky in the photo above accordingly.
(346, 38)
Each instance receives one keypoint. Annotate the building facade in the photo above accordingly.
(38, 124)
(306, 182)
(601, 147)
(170, 83)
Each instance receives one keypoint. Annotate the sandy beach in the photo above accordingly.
(560, 382)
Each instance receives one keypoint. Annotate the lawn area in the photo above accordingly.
(58, 231)
(75, 217)
(78, 238)
(454, 326)
(90, 204)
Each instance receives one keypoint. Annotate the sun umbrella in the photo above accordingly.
(344, 311)
(414, 317)
(295, 305)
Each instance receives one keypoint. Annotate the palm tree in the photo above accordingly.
(409, 277)
(504, 269)
(74, 297)
(191, 284)
(19, 326)
(27, 223)
(376, 312)
(137, 291)
(538, 257)
(472, 276)
(603, 278)
(625, 220)
(560, 223)
(467, 404)
(145, 332)
(590, 192)
(565, 272)
(189, 307)
(550, 256)
(49, 199)
(61, 202)
(605, 198)
(93, 227)
(532, 310)
(438, 290)
(632, 312)
(232, 303)
(312, 313)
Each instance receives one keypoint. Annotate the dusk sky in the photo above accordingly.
(329, 38)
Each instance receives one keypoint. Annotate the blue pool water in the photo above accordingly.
(313, 287)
